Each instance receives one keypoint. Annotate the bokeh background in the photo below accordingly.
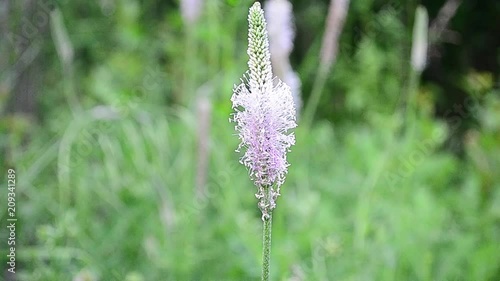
(114, 114)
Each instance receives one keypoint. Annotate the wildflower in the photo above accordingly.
(264, 114)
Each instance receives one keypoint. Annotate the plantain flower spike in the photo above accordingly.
(264, 114)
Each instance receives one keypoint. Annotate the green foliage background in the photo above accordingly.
(106, 172)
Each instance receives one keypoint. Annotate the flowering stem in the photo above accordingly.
(266, 238)
(264, 114)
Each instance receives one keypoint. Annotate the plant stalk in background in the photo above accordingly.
(279, 17)
(337, 13)
(191, 11)
(418, 61)
(264, 115)
(204, 112)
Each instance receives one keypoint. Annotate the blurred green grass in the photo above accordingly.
(107, 189)
(128, 205)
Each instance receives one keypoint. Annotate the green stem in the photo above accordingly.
(266, 241)
(411, 102)
(312, 105)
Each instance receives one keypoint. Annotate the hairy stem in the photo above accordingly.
(266, 238)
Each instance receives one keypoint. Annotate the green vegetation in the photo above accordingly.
(107, 185)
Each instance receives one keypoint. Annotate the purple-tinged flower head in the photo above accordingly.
(264, 115)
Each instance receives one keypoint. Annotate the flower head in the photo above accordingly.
(264, 114)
